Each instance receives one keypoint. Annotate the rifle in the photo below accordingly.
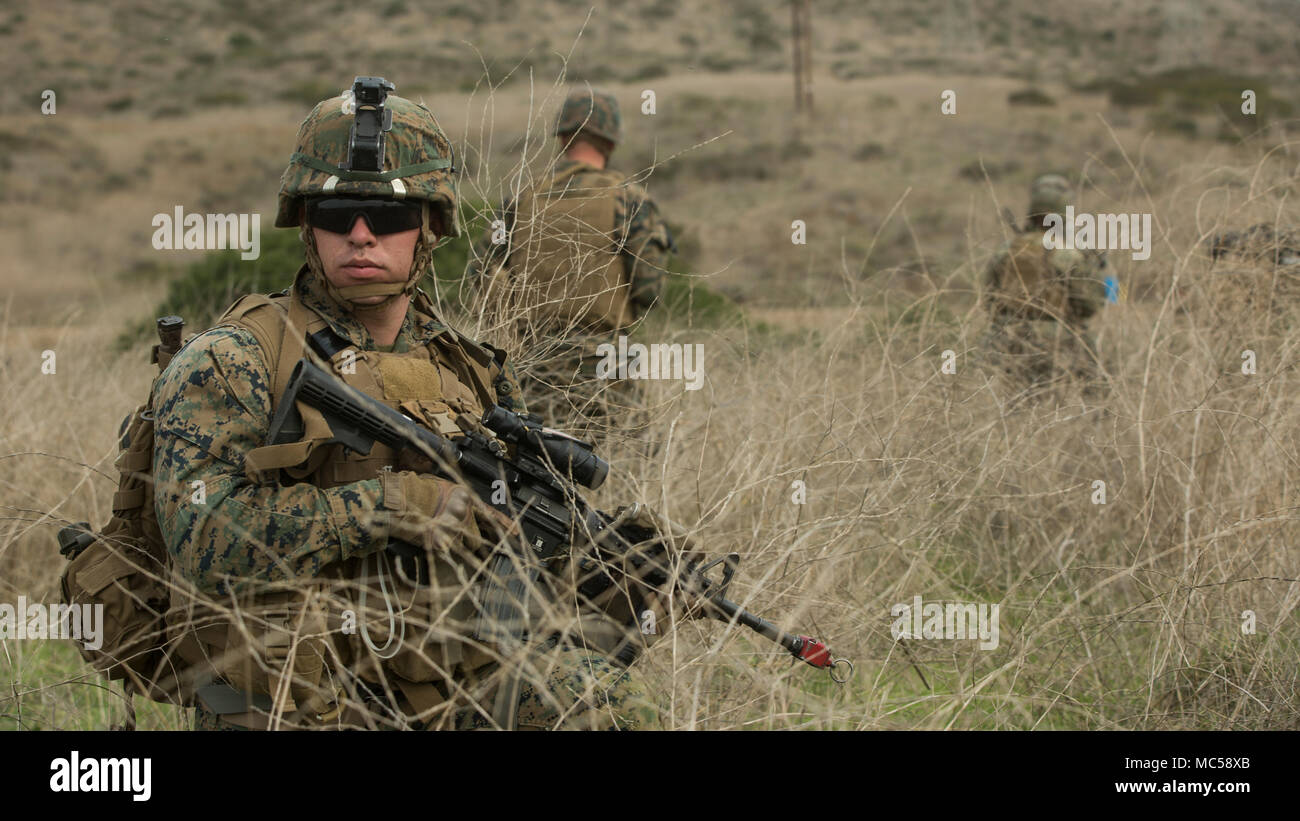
(538, 481)
(529, 486)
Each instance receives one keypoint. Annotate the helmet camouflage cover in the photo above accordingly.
(590, 112)
(1048, 194)
(418, 162)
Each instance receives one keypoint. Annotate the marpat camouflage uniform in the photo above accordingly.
(1260, 243)
(1040, 338)
(639, 237)
(233, 538)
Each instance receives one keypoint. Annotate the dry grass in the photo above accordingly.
(1122, 615)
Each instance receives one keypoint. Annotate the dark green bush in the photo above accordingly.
(1164, 121)
(1030, 96)
(650, 71)
(975, 170)
(204, 289)
(310, 92)
(868, 151)
(220, 98)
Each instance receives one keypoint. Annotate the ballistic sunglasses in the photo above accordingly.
(338, 214)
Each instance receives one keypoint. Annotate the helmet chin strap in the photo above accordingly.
(345, 297)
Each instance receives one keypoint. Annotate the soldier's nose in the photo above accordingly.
(360, 232)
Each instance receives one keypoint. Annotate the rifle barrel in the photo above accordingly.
(762, 626)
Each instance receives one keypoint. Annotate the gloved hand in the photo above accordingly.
(641, 520)
(427, 511)
(667, 546)
(439, 514)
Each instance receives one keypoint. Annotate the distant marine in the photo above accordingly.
(1258, 243)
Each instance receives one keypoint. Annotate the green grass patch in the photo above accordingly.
(686, 299)
(690, 301)
(55, 689)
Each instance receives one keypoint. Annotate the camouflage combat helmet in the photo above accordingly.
(418, 162)
(591, 112)
(1048, 194)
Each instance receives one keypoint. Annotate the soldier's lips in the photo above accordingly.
(364, 271)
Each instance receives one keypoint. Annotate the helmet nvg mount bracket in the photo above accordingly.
(366, 140)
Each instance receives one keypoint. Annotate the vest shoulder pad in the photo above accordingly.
(263, 316)
(479, 353)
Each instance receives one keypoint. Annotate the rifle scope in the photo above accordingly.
(570, 455)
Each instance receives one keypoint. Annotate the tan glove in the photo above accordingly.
(439, 514)
(643, 516)
(427, 511)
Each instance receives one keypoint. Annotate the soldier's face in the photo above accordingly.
(361, 257)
